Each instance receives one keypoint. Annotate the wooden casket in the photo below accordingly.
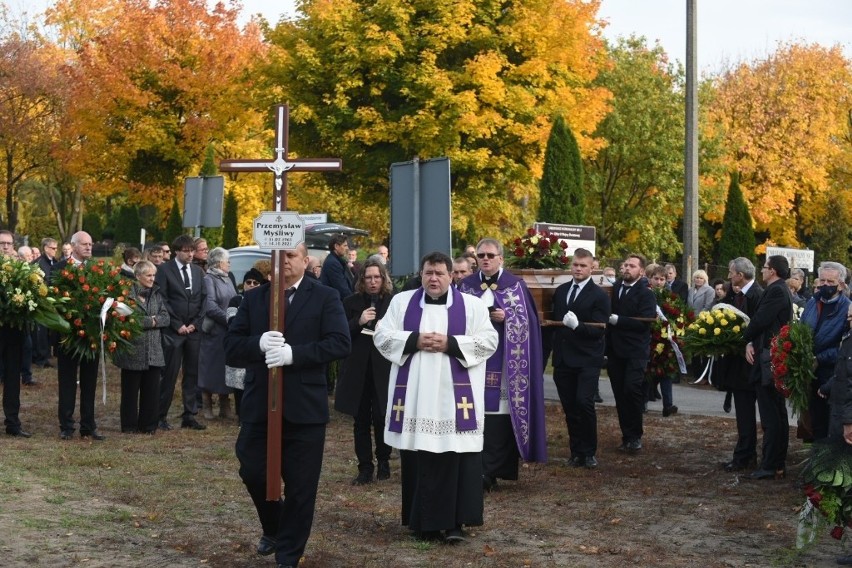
(542, 283)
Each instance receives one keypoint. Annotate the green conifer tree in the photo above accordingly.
(230, 233)
(562, 197)
(737, 232)
(174, 227)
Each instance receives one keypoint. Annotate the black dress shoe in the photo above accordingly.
(94, 436)
(765, 474)
(489, 483)
(429, 536)
(576, 461)
(364, 477)
(383, 471)
(30, 383)
(164, 425)
(598, 398)
(192, 424)
(17, 432)
(669, 410)
(454, 536)
(266, 545)
(591, 462)
(631, 447)
(66, 434)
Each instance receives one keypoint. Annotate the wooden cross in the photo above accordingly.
(465, 406)
(398, 407)
(279, 167)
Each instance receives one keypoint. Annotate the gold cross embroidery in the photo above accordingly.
(517, 352)
(464, 406)
(398, 407)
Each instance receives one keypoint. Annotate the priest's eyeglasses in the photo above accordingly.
(482, 255)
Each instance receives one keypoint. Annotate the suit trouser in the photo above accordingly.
(819, 406)
(41, 344)
(745, 452)
(11, 342)
(370, 414)
(288, 520)
(72, 369)
(627, 377)
(776, 427)
(577, 387)
(180, 351)
(140, 399)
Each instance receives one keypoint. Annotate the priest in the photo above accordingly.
(514, 378)
(437, 341)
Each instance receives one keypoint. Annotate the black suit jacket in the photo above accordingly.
(733, 372)
(584, 346)
(774, 309)
(630, 338)
(335, 273)
(364, 357)
(183, 308)
(315, 328)
(680, 288)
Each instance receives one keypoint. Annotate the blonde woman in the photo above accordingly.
(701, 294)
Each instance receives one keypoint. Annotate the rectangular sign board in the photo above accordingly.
(577, 236)
(314, 218)
(202, 201)
(278, 230)
(798, 258)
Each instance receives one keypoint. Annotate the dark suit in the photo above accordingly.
(680, 288)
(628, 344)
(41, 337)
(774, 310)
(577, 360)
(11, 344)
(70, 371)
(181, 350)
(336, 274)
(316, 329)
(362, 390)
(734, 374)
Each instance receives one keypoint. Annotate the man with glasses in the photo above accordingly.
(774, 310)
(167, 251)
(11, 346)
(181, 284)
(73, 370)
(41, 337)
(514, 374)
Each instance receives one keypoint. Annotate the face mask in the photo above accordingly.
(610, 279)
(828, 292)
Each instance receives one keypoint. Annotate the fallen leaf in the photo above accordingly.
(488, 551)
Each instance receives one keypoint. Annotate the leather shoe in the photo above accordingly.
(454, 536)
(669, 410)
(66, 434)
(364, 477)
(94, 436)
(598, 398)
(266, 545)
(164, 425)
(30, 383)
(576, 461)
(429, 536)
(764, 474)
(591, 462)
(18, 433)
(631, 447)
(192, 424)
(383, 471)
(489, 483)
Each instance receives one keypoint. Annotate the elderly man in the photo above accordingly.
(514, 378)
(825, 313)
(317, 334)
(774, 309)
(11, 345)
(437, 340)
(73, 370)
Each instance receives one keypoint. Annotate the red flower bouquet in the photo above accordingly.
(827, 478)
(792, 358)
(679, 315)
(85, 289)
(538, 250)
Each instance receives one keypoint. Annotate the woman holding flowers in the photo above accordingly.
(825, 314)
(141, 366)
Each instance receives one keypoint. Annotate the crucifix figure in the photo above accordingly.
(279, 166)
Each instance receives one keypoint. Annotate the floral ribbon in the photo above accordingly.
(104, 311)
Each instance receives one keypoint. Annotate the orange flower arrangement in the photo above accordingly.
(84, 289)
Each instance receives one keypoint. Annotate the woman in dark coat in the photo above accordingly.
(141, 366)
(362, 390)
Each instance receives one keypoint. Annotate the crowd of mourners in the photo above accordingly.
(446, 373)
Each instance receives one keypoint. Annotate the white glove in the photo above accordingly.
(613, 319)
(570, 320)
(279, 356)
(270, 340)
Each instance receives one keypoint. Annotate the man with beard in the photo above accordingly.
(514, 374)
(628, 342)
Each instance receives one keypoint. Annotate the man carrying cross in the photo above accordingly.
(437, 340)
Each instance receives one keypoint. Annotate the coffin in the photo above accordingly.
(542, 283)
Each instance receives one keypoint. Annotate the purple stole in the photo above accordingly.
(519, 356)
(456, 324)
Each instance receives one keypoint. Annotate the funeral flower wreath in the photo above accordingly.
(715, 332)
(24, 297)
(666, 333)
(538, 249)
(792, 358)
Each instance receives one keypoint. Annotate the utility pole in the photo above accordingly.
(690, 193)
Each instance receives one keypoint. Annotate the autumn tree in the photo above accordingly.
(783, 118)
(476, 81)
(563, 199)
(634, 185)
(737, 237)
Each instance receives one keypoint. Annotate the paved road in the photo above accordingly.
(689, 399)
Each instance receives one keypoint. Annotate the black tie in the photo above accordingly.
(573, 294)
(288, 293)
(624, 291)
(186, 283)
(739, 300)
